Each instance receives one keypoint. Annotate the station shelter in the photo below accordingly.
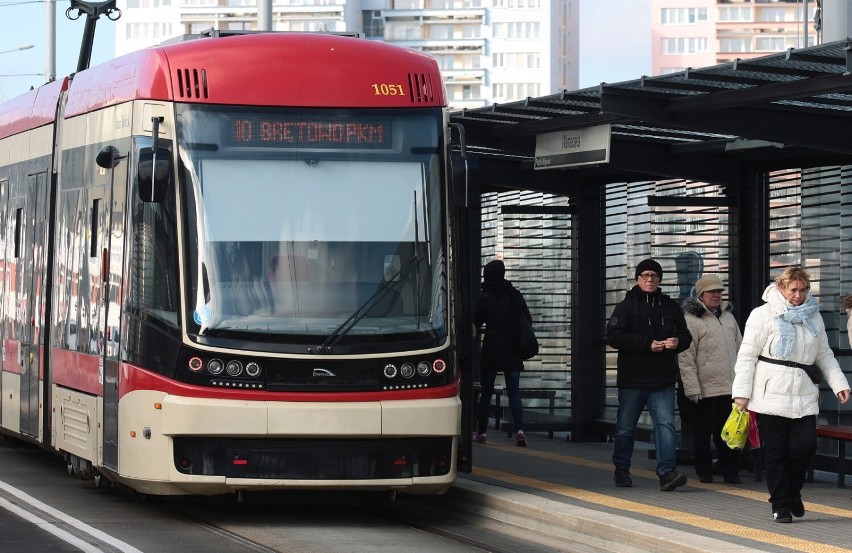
(739, 169)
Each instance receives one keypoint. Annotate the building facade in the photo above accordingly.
(488, 50)
(700, 33)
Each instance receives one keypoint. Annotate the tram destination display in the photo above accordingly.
(317, 133)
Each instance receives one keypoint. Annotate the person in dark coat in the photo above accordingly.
(649, 330)
(497, 308)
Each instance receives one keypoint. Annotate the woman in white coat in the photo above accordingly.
(782, 338)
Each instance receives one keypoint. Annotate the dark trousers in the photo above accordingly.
(513, 390)
(789, 446)
(710, 416)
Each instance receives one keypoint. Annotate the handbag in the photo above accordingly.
(525, 339)
(735, 429)
(813, 372)
(753, 432)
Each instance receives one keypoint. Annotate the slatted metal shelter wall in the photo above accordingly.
(627, 239)
(683, 225)
(532, 233)
(808, 216)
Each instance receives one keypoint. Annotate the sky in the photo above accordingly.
(22, 22)
(614, 42)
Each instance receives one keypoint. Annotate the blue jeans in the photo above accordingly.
(513, 390)
(661, 406)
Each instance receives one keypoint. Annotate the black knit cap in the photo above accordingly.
(494, 270)
(648, 265)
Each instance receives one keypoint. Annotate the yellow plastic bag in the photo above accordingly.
(735, 430)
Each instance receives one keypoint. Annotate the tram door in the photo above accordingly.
(111, 228)
(30, 280)
(98, 255)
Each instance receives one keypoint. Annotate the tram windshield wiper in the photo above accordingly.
(347, 325)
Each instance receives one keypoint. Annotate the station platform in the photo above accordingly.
(560, 492)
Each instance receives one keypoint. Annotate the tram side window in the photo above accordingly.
(154, 262)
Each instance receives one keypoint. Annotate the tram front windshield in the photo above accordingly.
(311, 227)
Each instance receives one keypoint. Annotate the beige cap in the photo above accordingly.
(708, 282)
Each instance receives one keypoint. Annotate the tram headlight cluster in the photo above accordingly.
(216, 366)
(234, 368)
(408, 369)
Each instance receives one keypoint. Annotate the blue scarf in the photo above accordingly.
(795, 315)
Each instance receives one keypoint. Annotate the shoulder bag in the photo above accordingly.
(527, 343)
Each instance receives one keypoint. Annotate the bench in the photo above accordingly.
(843, 434)
(526, 393)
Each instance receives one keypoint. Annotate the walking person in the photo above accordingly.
(783, 356)
(648, 329)
(707, 373)
(497, 309)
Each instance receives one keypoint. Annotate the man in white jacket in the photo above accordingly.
(707, 373)
(784, 338)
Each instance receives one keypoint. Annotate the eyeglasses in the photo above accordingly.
(649, 276)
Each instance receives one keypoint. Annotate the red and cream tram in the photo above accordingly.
(226, 266)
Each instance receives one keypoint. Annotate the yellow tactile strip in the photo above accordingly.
(727, 528)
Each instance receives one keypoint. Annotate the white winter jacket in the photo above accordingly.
(776, 389)
(707, 367)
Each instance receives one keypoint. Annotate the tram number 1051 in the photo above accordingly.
(388, 90)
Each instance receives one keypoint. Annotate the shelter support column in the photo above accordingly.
(588, 373)
(749, 241)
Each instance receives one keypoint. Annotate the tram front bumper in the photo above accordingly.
(207, 446)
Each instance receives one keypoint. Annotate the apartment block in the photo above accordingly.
(700, 33)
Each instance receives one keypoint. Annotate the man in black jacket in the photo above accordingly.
(648, 329)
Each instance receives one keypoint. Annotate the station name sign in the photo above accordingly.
(569, 148)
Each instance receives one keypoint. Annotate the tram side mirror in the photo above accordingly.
(154, 174)
(462, 167)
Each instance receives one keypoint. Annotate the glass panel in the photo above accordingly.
(688, 238)
(532, 233)
(627, 235)
(809, 212)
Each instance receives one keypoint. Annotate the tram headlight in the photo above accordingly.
(195, 364)
(439, 365)
(424, 368)
(215, 366)
(252, 368)
(407, 370)
(234, 368)
(390, 371)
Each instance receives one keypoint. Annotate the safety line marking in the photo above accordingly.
(59, 515)
(726, 528)
(705, 523)
(718, 487)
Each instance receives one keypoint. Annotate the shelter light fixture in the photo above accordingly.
(745, 144)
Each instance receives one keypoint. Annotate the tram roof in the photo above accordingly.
(790, 109)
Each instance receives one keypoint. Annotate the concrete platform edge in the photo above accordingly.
(573, 523)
